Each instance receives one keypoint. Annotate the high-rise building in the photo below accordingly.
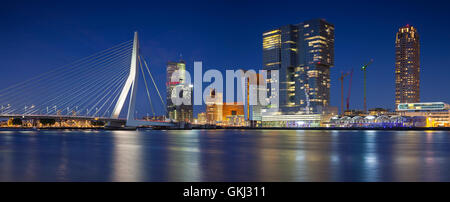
(214, 107)
(182, 112)
(407, 66)
(252, 106)
(303, 54)
(280, 53)
(315, 58)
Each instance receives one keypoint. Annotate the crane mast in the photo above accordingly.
(349, 90)
(364, 69)
(343, 75)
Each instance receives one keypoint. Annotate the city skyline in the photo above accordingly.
(224, 99)
(36, 45)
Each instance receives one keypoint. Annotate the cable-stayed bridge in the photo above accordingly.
(102, 86)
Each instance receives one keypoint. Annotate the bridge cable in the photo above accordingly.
(146, 86)
(154, 84)
(57, 81)
(81, 89)
(58, 77)
(77, 62)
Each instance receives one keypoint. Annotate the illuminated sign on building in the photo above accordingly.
(421, 106)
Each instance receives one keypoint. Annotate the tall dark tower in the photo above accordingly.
(407, 66)
(280, 53)
(315, 58)
(303, 54)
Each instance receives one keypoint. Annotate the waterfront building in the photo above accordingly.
(252, 110)
(182, 112)
(220, 113)
(425, 114)
(235, 120)
(201, 118)
(353, 112)
(383, 121)
(379, 112)
(51, 123)
(437, 114)
(303, 54)
(291, 120)
(407, 66)
(214, 107)
(233, 114)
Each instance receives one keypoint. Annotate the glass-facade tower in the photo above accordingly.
(315, 58)
(303, 54)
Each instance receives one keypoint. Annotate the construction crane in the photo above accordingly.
(349, 90)
(364, 69)
(343, 75)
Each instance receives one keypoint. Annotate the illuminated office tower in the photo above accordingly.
(182, 112)
(407, 66)
(280, 53)
(303, 54)
(315, 58)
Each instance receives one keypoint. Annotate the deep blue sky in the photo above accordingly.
(36, 36)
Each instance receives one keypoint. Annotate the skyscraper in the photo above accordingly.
(303, 54)
(214, 107)
(182, 112)
(407, 65)
(280, 53)
(316, 57)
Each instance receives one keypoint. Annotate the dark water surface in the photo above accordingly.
(225, 155)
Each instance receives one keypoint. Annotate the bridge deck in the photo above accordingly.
(106, 119)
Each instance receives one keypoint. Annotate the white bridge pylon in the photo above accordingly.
(131, 85)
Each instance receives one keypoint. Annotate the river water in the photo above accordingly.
(224, 155)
